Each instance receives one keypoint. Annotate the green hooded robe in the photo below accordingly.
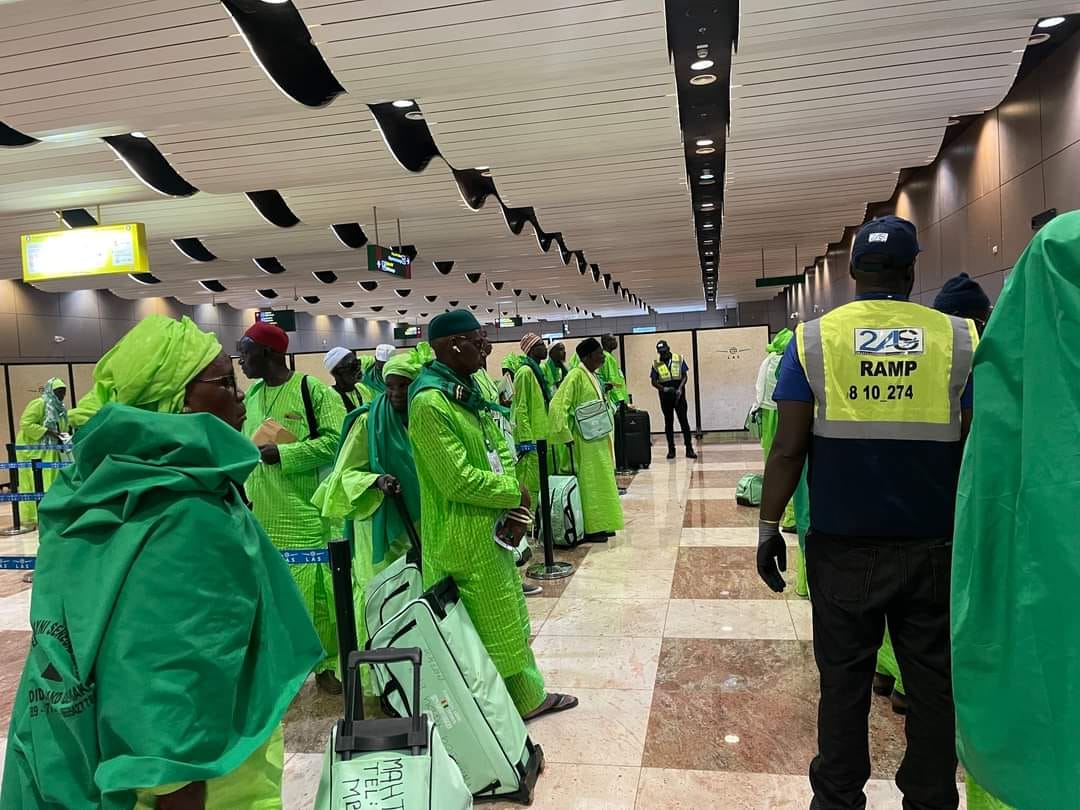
(461, 498)
(140, 673)
(1016, 562)
(594, 461)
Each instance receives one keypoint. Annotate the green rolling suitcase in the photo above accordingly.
(463, 694)
(394, 764)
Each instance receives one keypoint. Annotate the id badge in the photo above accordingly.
(495, 462)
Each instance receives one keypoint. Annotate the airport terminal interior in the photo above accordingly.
(667, 189)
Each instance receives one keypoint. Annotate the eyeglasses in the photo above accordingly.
(228, 381)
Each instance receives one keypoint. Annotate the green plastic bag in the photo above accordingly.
(748, 490)
(395, 764)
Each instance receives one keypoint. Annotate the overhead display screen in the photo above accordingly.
(93, 251)
(403, 331)
(384, 260)
(285, 318)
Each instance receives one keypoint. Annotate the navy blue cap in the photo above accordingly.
(892, 238)
(961, 295)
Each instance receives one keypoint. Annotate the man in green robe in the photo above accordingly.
(282, 486)
(529, 413)
(467, 487)
(42, 422)
(555, 371)
(169, 638)
(375, 462)
(1015, 626)
(594, 460)
(610, 374)
(344, 366)
(373, 375)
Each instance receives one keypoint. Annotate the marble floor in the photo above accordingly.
(697, 684)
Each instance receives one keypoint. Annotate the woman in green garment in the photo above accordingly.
(529, 413)
(467, 487)
(375, 461)
(144, 687)
(594, 460)
(42, 422)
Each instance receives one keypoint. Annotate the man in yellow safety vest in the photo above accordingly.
(878, 393)
(669, 376)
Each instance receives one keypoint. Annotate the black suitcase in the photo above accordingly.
(634, 450)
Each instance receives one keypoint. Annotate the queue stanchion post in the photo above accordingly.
(550, 568)
(345, 613)
(16, 527)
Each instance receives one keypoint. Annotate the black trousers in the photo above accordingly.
(672, 405)
(856, 585)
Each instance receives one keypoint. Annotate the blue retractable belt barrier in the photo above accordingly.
(16, 465)
(320, 555)
(20, 497)
(51, 465)
(53, 447)
(17, 563)
(526, 447)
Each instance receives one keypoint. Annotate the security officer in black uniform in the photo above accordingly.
(877, 392)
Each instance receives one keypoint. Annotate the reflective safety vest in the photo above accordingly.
(887, 369)
(672, 373)
(887, 378)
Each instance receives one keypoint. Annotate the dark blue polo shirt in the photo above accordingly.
(876, 488)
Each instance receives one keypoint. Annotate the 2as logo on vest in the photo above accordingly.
(905, 340)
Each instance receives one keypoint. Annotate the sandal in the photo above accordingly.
(552, 704)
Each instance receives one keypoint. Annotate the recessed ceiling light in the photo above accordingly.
(138, 134)
(1039, 38)
(705, 64)
(708, 226)
(705, 150)
(404, 103)
(1050, 22)
(708, 241)
(704, 142)
(707, 175)
(415, 115)
(703, 78)
(707, 205)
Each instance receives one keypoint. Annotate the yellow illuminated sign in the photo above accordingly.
(95, 251)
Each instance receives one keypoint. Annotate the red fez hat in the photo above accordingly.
(270, 336)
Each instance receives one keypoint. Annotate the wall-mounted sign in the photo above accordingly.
(643, 330)
(285, 318)
(506, 323)
(384, 260)
(93, 251)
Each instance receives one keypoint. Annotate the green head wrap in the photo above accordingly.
(150, 367)
(424, 352)
(512, 362)
(366, 362)
(457, 322)
(403, 364)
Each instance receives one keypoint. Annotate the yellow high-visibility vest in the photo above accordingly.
(887, 369)
(669, 371)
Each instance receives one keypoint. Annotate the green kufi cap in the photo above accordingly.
(457, 322)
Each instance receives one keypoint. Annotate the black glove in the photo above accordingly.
(771, 555)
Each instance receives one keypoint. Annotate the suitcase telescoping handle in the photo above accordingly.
(389, 655)
(344, 611)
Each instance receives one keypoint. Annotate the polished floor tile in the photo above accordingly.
(625, 583)
(715, 478)
(801, 616)
(712, 513)
(711, 494)
(729, 619)
(735, 537)
(741, 466)
(597, 662)
(300, 782)
(696, 790)
(15, 611)
(540, 608)
(607, 617)
(624, 553)
(582, 787)
(608, 727)
(11, 582)
(719, 573)
(14, 644)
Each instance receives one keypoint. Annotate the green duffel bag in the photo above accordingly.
(748, 490)
(394, 764)
(463, 694)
